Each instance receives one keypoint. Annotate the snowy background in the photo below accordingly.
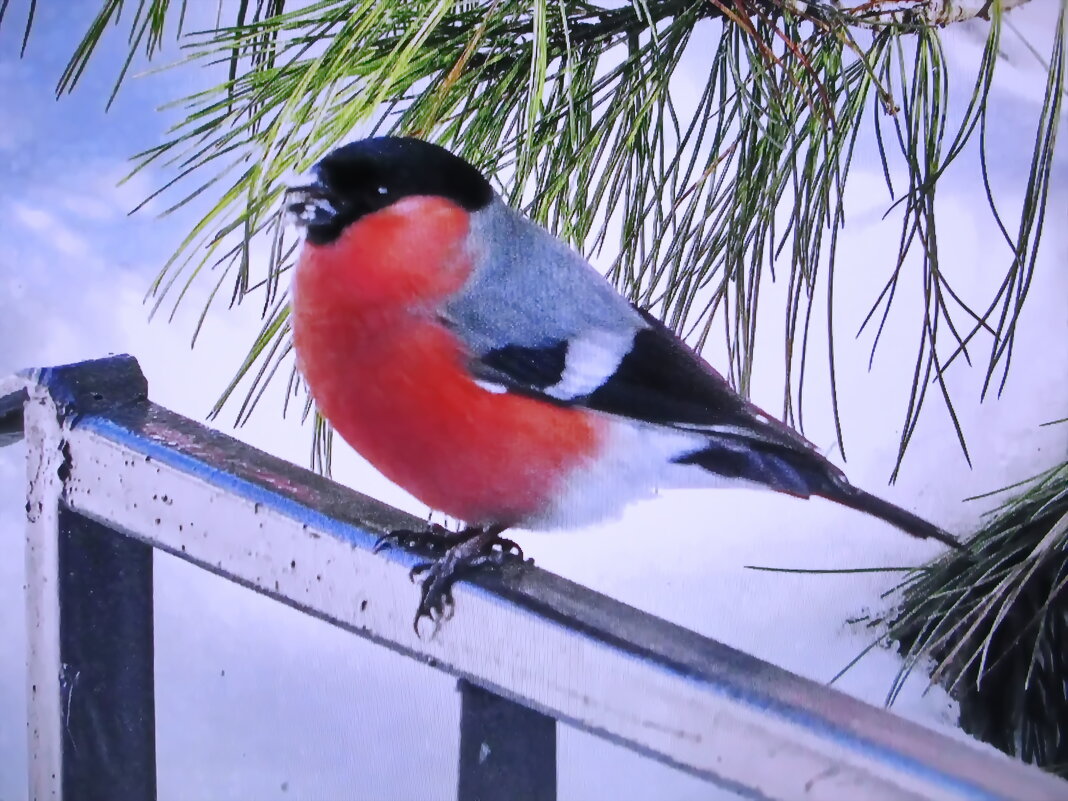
(256, 701)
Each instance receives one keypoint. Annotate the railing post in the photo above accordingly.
(43, 500)
(506, 750)
(106, 663)
(89, 608)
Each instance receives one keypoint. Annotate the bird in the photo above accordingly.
(483, 365)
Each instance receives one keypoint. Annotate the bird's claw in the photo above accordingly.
(471, 550)
(433, 538)
(435, 599)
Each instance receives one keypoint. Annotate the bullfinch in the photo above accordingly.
(488, 369)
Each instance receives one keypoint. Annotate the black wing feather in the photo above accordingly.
(663, 381)
(524, 368)
(660, 380)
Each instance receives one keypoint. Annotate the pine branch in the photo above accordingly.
(572, 107)
(994, 619)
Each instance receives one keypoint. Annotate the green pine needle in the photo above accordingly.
(575, 110)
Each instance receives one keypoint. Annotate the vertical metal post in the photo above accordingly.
(44, 716)
(506, 750)
(106, 663)
(89, 608)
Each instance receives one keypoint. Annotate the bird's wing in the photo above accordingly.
(538, 320)
(651, 376)
(647, 375)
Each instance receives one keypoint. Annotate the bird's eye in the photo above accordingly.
(382, 190)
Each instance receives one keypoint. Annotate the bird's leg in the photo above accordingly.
(473, 548)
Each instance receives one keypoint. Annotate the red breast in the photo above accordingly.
(393, 382)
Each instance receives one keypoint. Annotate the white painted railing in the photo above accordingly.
(112, 476)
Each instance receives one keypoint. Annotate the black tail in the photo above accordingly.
(805, 473)
(862, 501)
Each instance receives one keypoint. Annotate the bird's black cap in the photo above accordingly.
(366, 176)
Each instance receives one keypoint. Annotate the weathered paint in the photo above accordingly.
(44, 436)
(89, 606)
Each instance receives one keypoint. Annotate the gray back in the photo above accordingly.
(531, 289)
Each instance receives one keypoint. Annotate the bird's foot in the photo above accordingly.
(467, 550)
(432, 538)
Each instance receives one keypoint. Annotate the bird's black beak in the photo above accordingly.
(311, 205)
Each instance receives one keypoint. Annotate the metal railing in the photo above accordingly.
(112, 476)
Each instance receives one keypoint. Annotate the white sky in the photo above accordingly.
(256, 701)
